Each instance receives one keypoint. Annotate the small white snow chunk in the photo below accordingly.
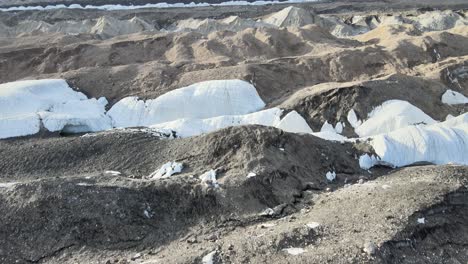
(146, 213)
(102, 101)
(390, 116)
(167, 170)
(366, 162)
(331, 135)
(197, 101)
(111, 172)
(327, 127)
(313, 225)
(352, 119)
(294, 123)
(339, 127)
(7, 184)
(331, 176)
(453, 98)
(421, 220)
(84, 184)
(385, 186)
(209, 178)
(208, 258)
(448, 117)
(328, 132)
(294, 251)
(267, 212)
(251, 174)
(268, 225)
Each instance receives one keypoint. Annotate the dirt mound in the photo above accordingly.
(105, 27)
(206, 26)
(310, 234)
(110, 216)
(177, 202)
(291, 17)
(165, 59)
(148, 65)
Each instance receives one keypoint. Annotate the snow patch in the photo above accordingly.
(353, 120)
(7, 184)
(294, 251)
(198, 101)
(76, 116)
(251, 175)
(453, 98)
(339, 127)
(113, 173)
(440, 143)
(194, 127)
(327, 127)
(368, 161)
(167, 170)
(19, 125)
(390, 116)
(25, 105)
(294, 123)
(331, 135)
(208, 258)
(331, 176)
(209, 178)
(313, 225)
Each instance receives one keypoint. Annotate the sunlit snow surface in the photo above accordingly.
(25, 106)
(194, 127)
(453, 98)
(197, 101)
(440, 143)
(392, 115)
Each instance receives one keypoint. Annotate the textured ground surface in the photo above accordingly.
(59, 205)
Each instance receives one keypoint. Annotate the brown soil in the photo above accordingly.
(59, 205)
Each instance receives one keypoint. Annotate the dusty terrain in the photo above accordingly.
(60, 203)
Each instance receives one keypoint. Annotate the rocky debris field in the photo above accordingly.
(304, 133)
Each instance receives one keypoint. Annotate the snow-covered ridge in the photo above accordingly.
(27, 106)
(158, 5)
(440, 143)
(390, 116)
(198, 101)
(399, 132)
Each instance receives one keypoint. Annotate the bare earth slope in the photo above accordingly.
(277, 197)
